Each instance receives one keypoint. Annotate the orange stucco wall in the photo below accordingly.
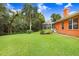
(66, 30)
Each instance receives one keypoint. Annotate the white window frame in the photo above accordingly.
(72, 23)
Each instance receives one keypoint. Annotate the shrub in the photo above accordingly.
(49, 32)
(29, 31)
(42, 32)
(45, 32)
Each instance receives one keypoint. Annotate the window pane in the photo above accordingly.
(75, 23)
(62, 25)
(70, 23)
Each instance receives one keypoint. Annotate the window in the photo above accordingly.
(75, 23)
(62, 25)
(70, 23)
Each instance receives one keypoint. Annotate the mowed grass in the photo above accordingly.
(39, 45)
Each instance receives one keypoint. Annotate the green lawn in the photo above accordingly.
(38, 45)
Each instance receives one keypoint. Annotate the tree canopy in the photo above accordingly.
(20, 21)
(55, 17)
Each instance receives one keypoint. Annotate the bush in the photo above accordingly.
(45, 32)
(49, 32)
(42, 32)
(29, 31)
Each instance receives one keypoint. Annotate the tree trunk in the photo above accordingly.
(30, 23)
(10, 24)
(9, 29)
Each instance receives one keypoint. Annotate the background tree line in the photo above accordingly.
(20, 21)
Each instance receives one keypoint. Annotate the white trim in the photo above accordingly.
(72, 23)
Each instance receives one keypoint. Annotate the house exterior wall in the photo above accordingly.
(66, 30)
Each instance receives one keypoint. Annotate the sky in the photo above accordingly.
(48, 8)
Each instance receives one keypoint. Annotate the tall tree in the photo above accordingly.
(55, 17)
(20, 23)
(11, 20)
(37, 24)
(41, 18)
(3, 18)
(29, 12)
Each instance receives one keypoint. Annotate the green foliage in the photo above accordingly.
(55, 17)
(20, 28)
(29, 11)
(42, 32)
(3, 19)
(20, 21)
(46, 32)
(29, 31)
(37, 24)
(41, 17)
(34, 20)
